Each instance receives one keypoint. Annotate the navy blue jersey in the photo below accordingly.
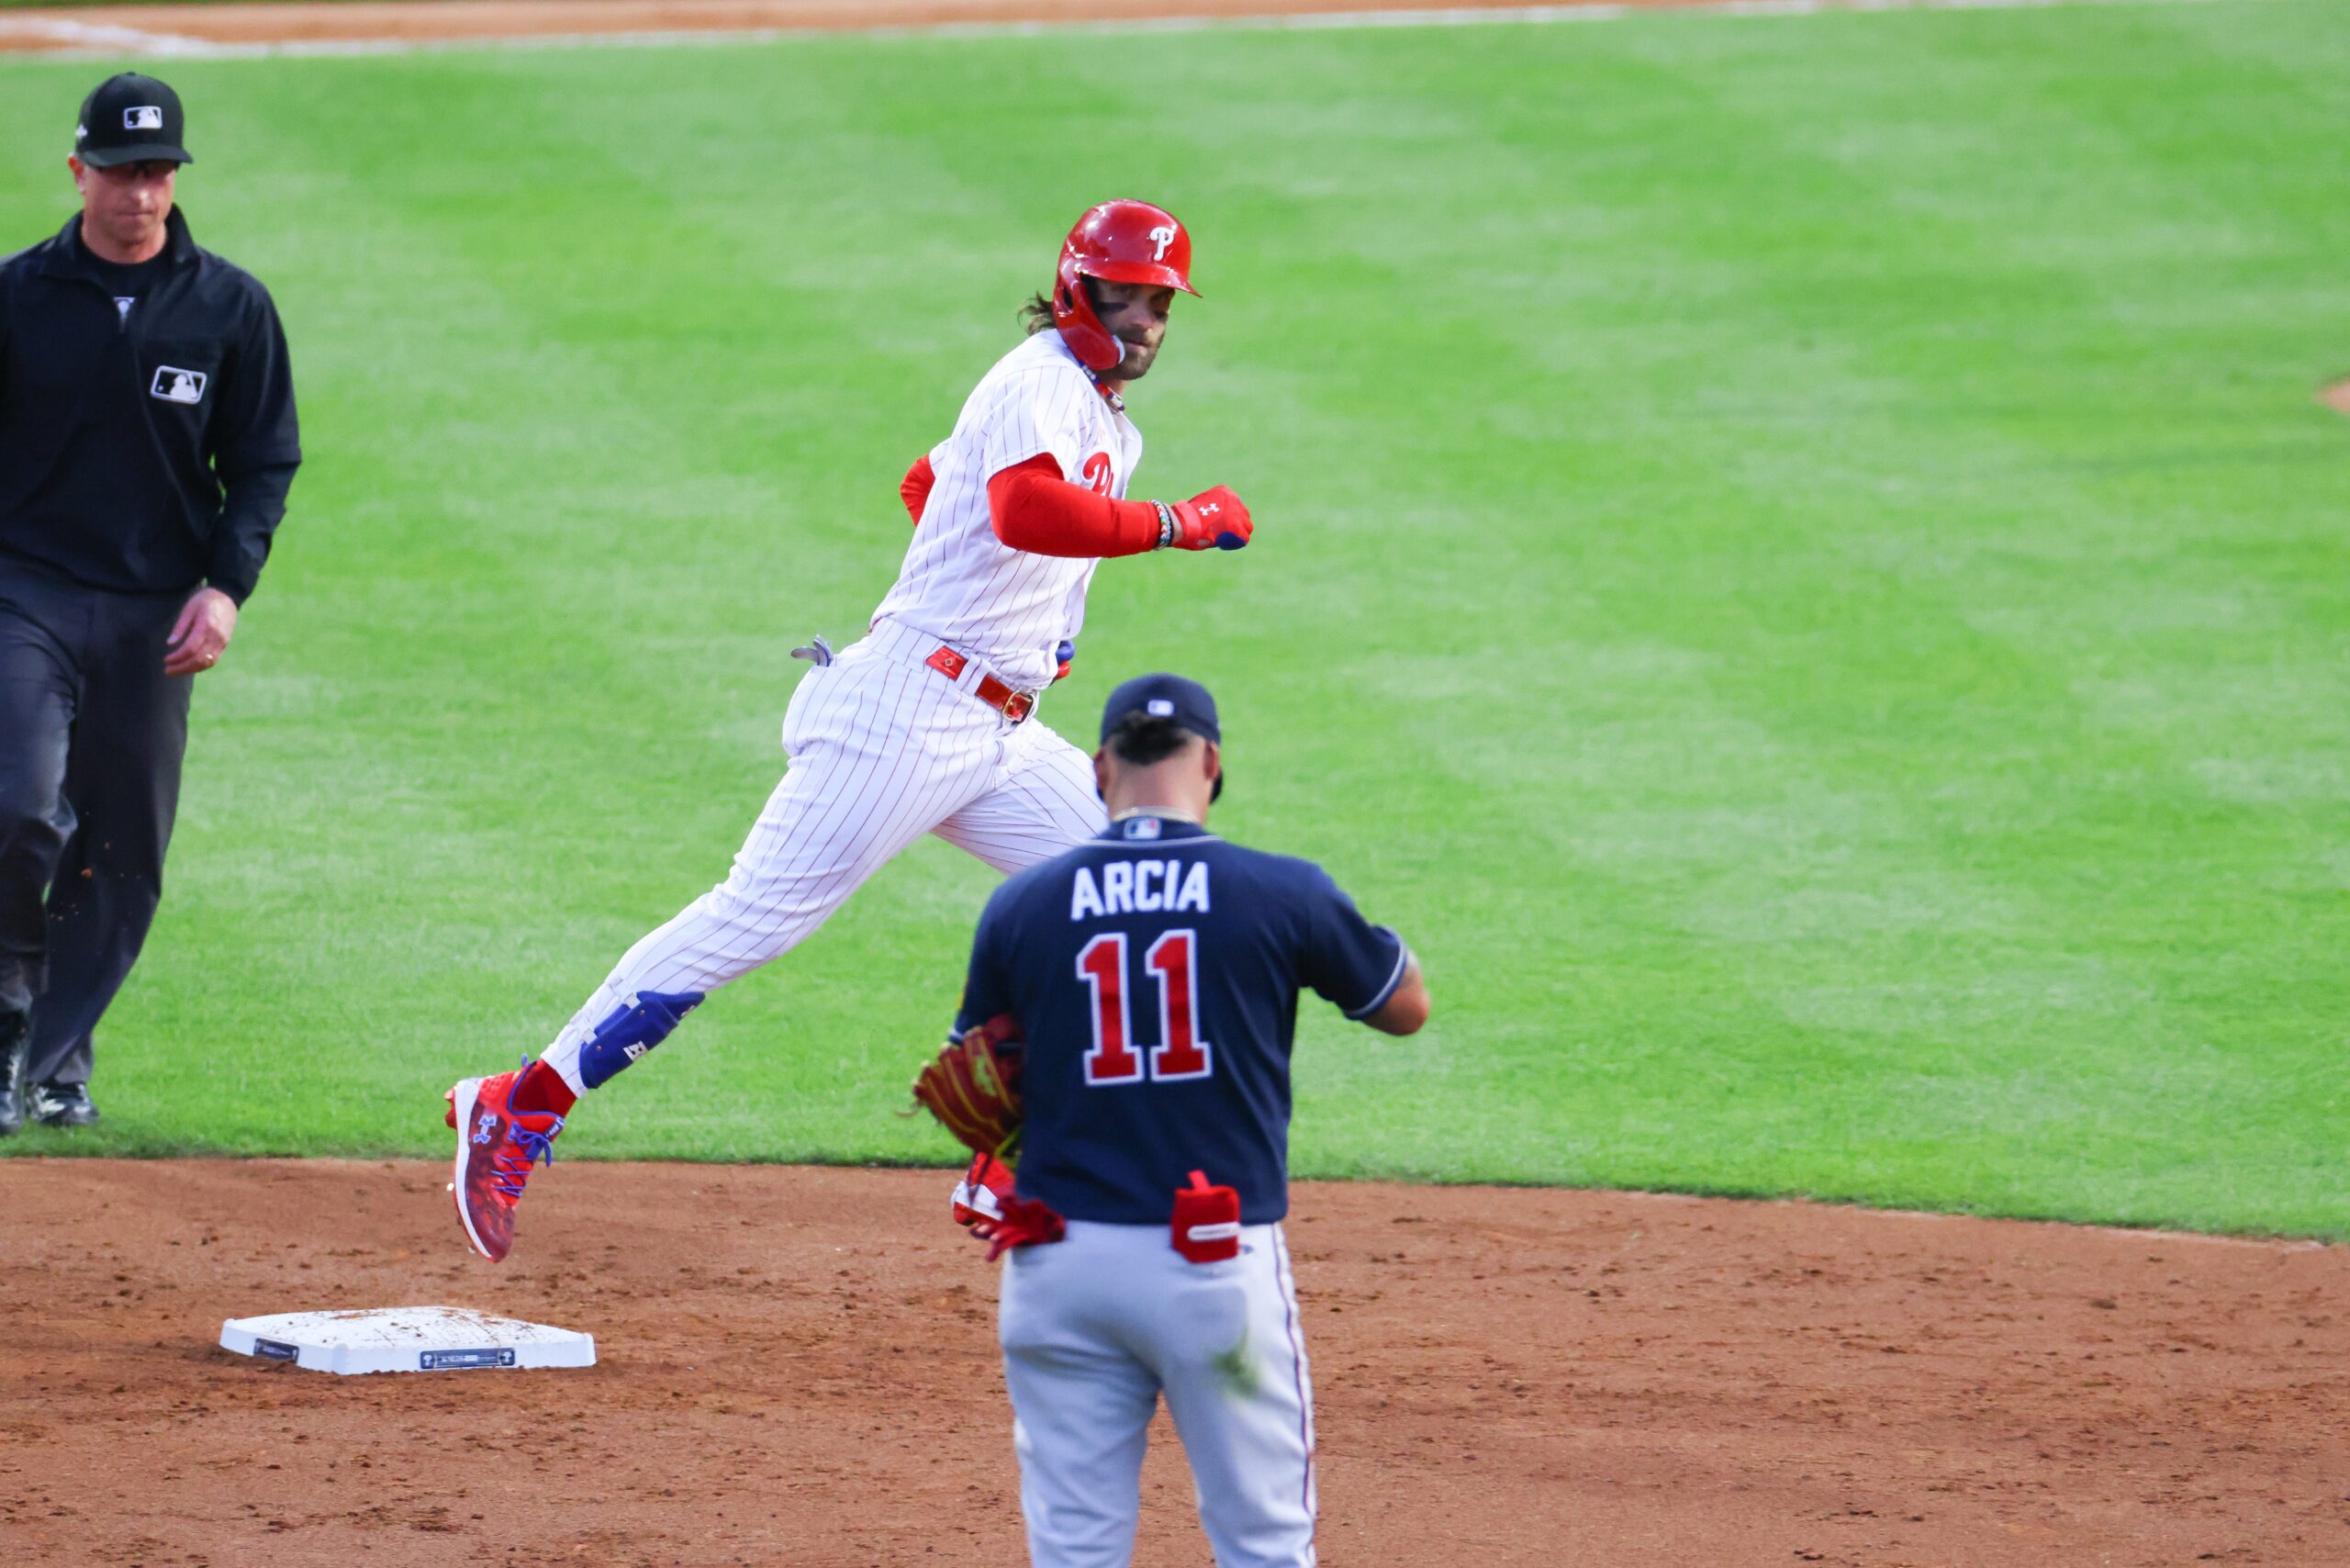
(1155, 974)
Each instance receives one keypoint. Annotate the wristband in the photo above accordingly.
(1167, 525)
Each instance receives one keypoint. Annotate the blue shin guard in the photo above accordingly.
(631, 1032)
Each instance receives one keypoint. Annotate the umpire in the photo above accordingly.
(147, 443)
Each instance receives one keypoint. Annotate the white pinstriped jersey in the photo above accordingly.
(959, 582)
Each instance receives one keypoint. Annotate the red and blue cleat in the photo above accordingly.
(497, 1145)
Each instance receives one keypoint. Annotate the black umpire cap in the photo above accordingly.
(131, 118)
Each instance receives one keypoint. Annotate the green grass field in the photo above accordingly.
(1798, 560)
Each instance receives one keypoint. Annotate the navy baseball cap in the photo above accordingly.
(130, 118)
(1162, 697)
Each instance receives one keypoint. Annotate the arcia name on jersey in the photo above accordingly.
(1138, 887)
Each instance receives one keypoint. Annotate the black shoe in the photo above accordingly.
(64, 1105)
(16, 1045)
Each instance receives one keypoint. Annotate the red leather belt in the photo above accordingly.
(1014, 705)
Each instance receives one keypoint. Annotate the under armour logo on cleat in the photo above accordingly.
(485, 1127)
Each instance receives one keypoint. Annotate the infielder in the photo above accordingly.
(1125, 1034)
(927, 725)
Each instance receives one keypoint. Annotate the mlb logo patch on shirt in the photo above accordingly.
(176, 386)
(145, 117)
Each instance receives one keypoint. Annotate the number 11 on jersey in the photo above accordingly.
(1180, 1053)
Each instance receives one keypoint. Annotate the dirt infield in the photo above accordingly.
(798, 1366)
(166, 28)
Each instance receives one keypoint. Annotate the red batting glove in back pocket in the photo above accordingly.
(1207, 1221)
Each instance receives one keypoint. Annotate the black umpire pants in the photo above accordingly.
(92, 736)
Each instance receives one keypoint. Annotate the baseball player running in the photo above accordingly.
(1125, 1032)
(927, 725)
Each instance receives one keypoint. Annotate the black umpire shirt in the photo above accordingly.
(147, 430)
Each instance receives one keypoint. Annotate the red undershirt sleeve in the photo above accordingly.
(1033, 509)
(914, 488)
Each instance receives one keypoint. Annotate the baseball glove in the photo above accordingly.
(973, 1088)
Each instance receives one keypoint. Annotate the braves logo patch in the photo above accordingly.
(1100, 476)
(173, 384)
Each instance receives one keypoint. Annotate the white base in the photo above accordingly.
(405, 1338)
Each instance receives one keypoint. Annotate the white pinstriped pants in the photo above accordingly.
(883, 750)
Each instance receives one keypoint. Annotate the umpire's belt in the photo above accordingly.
(1014, 705)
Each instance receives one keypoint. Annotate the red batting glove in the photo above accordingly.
(1214, 518)
(1026, 1223)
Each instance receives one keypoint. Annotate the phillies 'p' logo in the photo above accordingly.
(1163, 236)
(1099, 476)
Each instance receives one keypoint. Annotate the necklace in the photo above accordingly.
(1117, 404)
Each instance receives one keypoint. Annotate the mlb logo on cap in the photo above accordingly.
(130, 118)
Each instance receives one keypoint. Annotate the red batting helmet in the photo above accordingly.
(1119, 241)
